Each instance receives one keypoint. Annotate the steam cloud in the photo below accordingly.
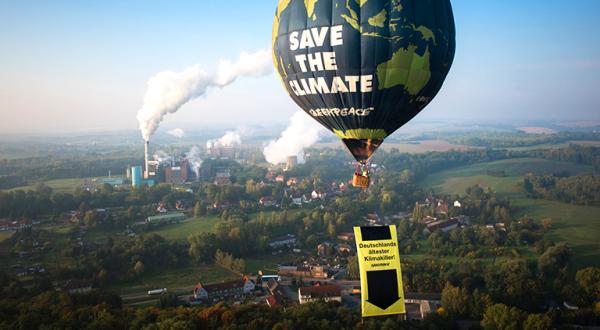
(161, 156)
(168, 91)
(176, 132)
(230, 139)
(194, 160)
(302, 132)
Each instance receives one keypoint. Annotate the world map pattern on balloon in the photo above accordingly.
(363, 68)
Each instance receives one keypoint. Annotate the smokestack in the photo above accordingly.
(146, 169)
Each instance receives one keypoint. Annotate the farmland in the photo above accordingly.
(574, 224)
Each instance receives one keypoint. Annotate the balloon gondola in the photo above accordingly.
(363, 68)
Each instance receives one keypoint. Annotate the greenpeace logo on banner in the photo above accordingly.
(323, 61)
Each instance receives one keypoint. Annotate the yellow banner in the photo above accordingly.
(380, 274)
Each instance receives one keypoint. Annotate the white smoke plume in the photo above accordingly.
(161, 156)
(167, 91)
(230, 139)
(194, 160)
(176, 132)
(302, 132)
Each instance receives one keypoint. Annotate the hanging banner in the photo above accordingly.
(380, 274)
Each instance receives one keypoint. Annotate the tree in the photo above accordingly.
(502, 317)
(139, 268)
(547, 224)
(479, 303)
(537, 322)
(198, 210)
(554, 260)
(455, 300)
(588, 280)
(238, 266)
(331, 230)
(90, 218)
(202, 247)
(353, 271)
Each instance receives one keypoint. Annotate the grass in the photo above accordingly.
(577, 225)
(59, 185)
(4, 235)
(173, 279)
(266, 262)
(181, 231)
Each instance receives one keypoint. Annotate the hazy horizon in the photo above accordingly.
(67, 71)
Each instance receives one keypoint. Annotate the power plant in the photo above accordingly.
(146, 170)
(136, 176)
(143, 176)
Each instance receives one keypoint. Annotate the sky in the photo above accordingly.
(76, 66)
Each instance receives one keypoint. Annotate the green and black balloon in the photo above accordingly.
(400, 50)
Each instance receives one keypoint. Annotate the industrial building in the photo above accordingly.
(222, 151)
(137, 179)
(167, 218)
(177, 173)
(137, 176)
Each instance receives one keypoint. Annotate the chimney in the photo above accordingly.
(146, 169)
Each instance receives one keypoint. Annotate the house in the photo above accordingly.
(267, 201)
(162, 208)
(457, 204)
(297, 199)
(223, 205)
(77, 286)
(420, 305)
(222, 291)
(292, 181)
(274, 301)
(180, 206)
(280, 178)
(343, 248)
(319, 272)
(278, 297)
(272, 285)
(443, 225)
(318, 194)
(345, 236)
(288, 240)
(325, 249)
(319, 292)
(294, 271)
(303, 271)
(7, 225)
(442, 208)
(372, 218)
(429, 219)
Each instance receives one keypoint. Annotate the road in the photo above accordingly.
(143, 297)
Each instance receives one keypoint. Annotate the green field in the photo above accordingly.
(4, 235)
(575, 224)
(181, 231)
(60, 185)
(174, 279)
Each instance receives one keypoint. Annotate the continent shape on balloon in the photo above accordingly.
(363, 68)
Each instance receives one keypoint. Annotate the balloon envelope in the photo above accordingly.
(363, 68)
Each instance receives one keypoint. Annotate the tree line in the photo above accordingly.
(581, 189)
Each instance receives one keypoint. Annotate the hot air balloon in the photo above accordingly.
(363, 68)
